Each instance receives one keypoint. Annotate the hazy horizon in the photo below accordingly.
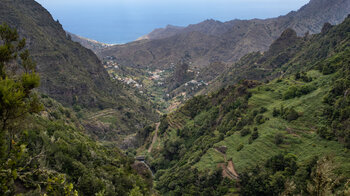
(123, 21)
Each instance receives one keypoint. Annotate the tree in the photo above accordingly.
(323, 178)
(17, 80)
(279, 138)
(255, 135)
(135, 191)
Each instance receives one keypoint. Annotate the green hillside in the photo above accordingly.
(74, 76)
(277, 135)
(274, 123)
(44, 148)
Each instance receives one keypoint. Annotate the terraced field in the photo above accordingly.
(300, 135)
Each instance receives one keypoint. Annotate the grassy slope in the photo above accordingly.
(56, 143)
(301, 137)
(189, 142)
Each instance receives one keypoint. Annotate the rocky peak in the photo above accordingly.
(287, 38)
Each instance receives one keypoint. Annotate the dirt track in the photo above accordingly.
(154, 138)
(229, 169)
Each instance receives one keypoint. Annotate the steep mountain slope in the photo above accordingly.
(93, 45)
(168, 31)
(60, 153)
(210, 27)
(56, 56)
(215, 41)
(73, 75)
(280, 136)
(43, 147)
(257, 65)
(161, 53)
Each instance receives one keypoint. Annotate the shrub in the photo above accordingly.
(250, 141)
(259, 119)
(297, 91)
(263, 110)
(291, 115)
(240, 147)
(255, 135)
(245, 132)
(279, 139)
(325, 133)
(163, 124)
(255, 112)
(287, 113)
(77, 108)
(303, 77)
(275, 112)
(195, 105)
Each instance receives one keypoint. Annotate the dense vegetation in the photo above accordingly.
(74, 76)
(286, 136)
(43, 146)
(208, 120)
(284, 133)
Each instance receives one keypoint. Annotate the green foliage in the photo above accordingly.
(271, 179)
(164, 124)
(195, 105)
(255, 135)
(57, 186)
(291, 115)
(49, 153)
(58, 145)
(279, 139)
(259, 119)
(302, 76)
(288, 114)
(337, 113)
(212, 118)
(240, 147)
(282, 175)
(295, 100)
(323, 179)
(135, 192)
(245, 132)
(189, 181)
(16, 102)
(275, 112)
(263, 110)
(297, 91)
(144, 134)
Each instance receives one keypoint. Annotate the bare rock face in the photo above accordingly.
(287, 39)
(213, 41)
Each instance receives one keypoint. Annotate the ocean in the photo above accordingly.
(122, 21)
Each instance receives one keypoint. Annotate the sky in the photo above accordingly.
(122, 21)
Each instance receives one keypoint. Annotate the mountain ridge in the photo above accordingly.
(295, 116)
(74, 76)
(233, 39)
(91, 44)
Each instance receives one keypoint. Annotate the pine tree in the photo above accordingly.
(17, 99)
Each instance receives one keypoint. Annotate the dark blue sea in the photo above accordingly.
(122, 21)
